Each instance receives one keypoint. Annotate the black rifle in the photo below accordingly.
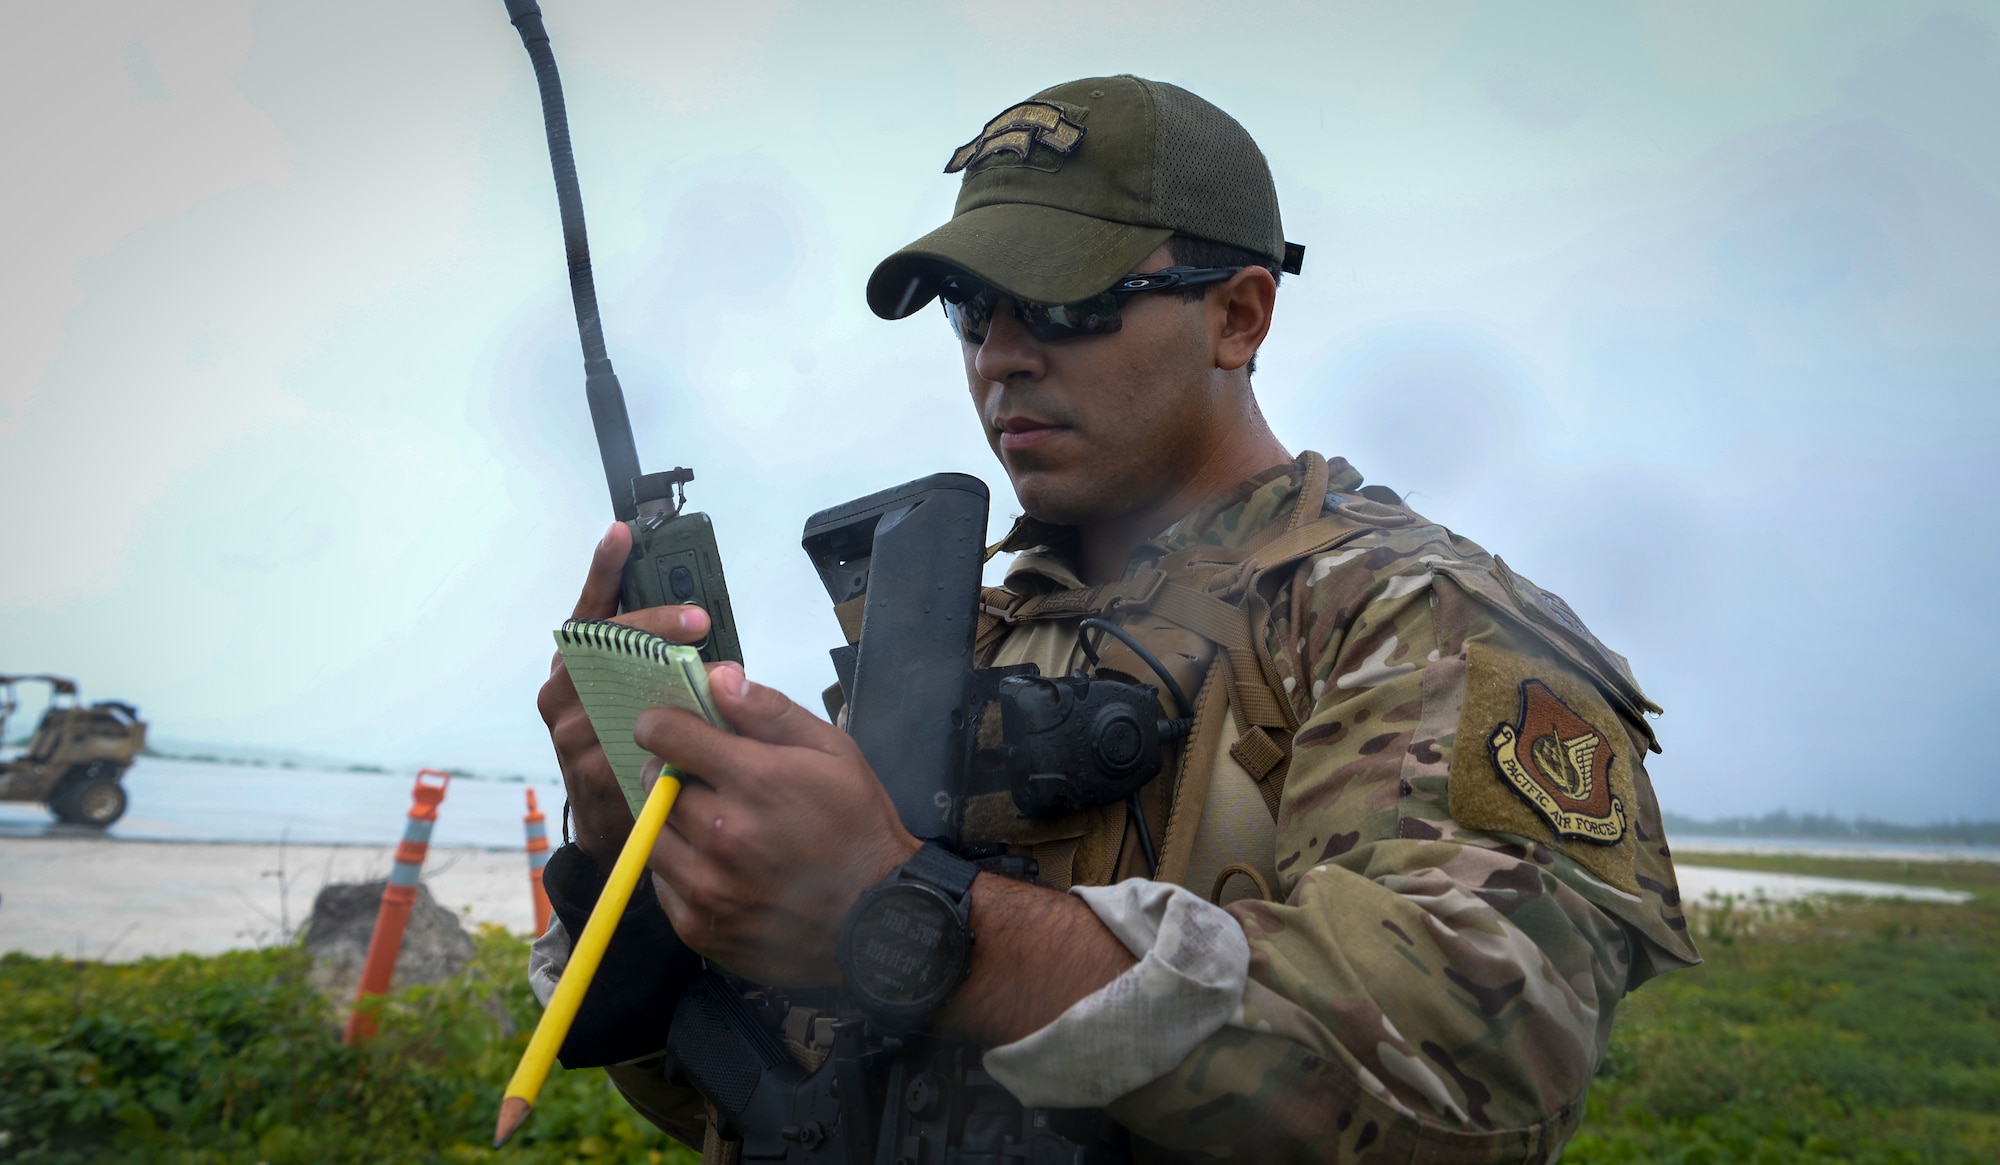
(915, 704)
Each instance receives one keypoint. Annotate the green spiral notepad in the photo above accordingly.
(621, 671)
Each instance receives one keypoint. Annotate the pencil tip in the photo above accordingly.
(513, 1110)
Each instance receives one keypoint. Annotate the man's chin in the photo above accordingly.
(1062, 486)
(1054, 497)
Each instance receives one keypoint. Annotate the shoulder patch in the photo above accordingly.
(1540, 754)
(1561, 765)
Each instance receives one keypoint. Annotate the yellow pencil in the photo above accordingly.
(533, 1070)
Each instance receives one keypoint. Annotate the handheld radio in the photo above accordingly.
(674, 557)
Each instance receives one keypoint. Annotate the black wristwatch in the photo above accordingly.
(907, 946)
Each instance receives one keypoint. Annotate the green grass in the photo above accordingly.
(1855, 1031)
(1858, 1031)
(234, 1058)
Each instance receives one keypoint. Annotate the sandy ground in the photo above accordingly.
(1703, 883)
(1800, 847)
(120, 900)
(104, 899)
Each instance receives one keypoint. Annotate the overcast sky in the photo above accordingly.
(1689, 311)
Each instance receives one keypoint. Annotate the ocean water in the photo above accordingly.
(192, 801)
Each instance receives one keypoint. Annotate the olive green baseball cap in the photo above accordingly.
(1070, 189)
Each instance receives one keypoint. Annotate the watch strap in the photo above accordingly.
(933, 873)
(936, 866)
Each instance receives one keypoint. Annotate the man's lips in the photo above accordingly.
(1017, 433)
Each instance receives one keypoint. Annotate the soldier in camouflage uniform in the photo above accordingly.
(1411, 860)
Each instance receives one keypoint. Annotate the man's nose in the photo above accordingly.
(1009, 352)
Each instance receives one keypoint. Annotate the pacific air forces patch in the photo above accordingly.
(1539, 753)
(1562, 765)
(1020, 131)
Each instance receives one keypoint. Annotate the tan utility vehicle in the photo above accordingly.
(78, 756)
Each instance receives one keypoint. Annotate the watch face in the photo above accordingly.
(906, 948)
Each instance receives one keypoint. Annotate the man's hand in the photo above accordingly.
(775, 834)
(598, 812)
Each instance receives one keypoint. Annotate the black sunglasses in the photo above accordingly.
(969, 303)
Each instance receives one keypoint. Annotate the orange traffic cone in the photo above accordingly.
(397, 898)
(538, 856)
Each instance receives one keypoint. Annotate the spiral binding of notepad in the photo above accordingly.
(609, 636)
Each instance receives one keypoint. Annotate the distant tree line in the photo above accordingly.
(1784, 823)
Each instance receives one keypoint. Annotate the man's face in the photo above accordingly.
(1093, 428)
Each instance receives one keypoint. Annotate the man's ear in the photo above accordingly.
(1240, 316)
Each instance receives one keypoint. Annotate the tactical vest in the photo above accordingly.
(1201, 612)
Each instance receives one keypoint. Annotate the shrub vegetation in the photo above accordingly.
(1852, 1031)
(193, 1061)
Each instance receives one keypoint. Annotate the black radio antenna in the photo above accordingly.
(600, 384)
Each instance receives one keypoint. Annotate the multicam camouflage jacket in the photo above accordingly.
(1443, 848)
(1466, 871)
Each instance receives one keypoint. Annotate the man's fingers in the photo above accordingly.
(695, 813)
(767, 714)
(599, 599)
(763, 717)
(676, 866)
(691, 744)
(557, 695)
(678, 914)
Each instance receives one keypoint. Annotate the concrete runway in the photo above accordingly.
(98, 898)
(192, 866)
(1707, 883)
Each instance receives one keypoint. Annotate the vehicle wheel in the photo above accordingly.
(93, 801)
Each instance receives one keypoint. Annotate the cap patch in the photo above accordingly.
(1561, 765)
(1018, 131)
